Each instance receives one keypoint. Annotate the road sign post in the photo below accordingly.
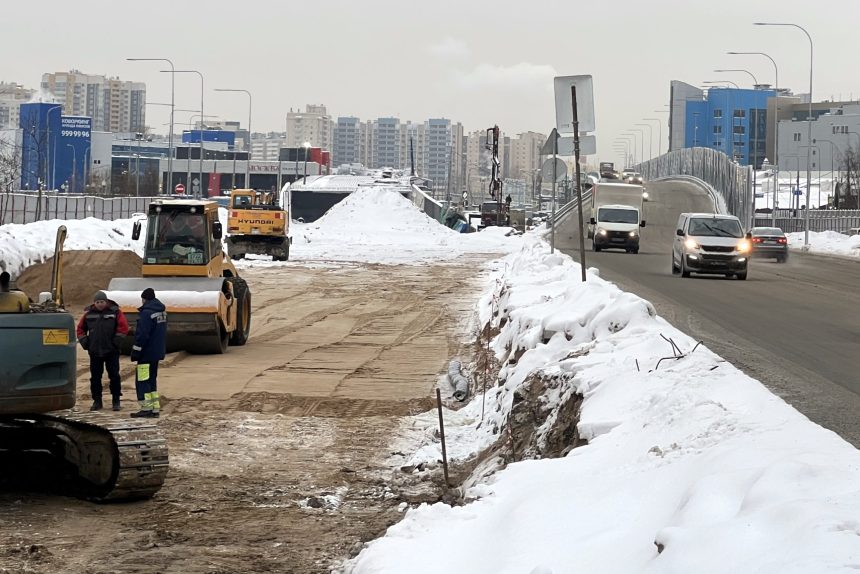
(578, 182)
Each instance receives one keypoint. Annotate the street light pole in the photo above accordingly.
(659, 133)
(755, 81)
(775, 124)
(248, 161)
(808, 129)
(650, 140)
(201, 119)
(51, 159)
(172, 106)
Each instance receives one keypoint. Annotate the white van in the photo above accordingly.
(710, 243)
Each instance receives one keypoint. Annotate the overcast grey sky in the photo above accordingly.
(476, 62)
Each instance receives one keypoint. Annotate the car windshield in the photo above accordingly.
(714, 227)
(771, 231)
(613, 215)
(490, 207)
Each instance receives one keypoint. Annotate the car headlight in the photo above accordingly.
(744, 246)
(691, 244)
(601, 232)
(645, 195)
(632, 234)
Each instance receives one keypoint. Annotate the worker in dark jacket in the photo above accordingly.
(100, 332)
(150, 345)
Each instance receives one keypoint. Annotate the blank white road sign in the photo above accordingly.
(564, 104)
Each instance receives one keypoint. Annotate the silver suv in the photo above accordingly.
(710, 243)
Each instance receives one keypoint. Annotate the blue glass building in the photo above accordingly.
(730, 120)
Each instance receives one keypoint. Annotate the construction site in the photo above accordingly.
(283, 450)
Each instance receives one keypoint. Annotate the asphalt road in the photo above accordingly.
(794, 326)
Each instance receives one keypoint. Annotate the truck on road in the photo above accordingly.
(616, 216)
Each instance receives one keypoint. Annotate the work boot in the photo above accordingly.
(115, 404)
(97, 404)
(144, 415)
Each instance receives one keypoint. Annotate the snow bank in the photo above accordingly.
(691, 466)
(378, 225)
(826, 242)
(22, 245)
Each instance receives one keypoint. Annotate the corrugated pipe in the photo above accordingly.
(458, 381)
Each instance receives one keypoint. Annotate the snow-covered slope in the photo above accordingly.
(690, 467)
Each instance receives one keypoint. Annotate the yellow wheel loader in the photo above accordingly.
(208, 304)
(96, 455)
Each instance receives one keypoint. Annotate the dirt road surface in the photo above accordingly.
(278, 449)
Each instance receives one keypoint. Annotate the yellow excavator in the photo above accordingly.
(208, 304)
(100, 456)
(257, 225)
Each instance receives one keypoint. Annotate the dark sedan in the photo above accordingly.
(769, 242)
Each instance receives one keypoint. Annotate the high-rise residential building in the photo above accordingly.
(385, 143)
(114, 105)
(313, 126)
(11, 97)
(443, 155)
(525, 154)
(267, 147)
(347, 141)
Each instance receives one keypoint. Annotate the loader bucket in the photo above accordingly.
(198, 310)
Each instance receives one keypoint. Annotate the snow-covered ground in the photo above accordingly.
(820, 190)
(826, 242)
(22, 245)
(378, 225)
(691, 466)
(373, 225)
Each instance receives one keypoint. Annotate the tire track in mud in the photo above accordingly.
(279, 475)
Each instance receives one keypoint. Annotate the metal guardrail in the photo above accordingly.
(569, 207)
(791, 220)
(27, 207)
(731, 181)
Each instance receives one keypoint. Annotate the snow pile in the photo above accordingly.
(690, 466)
(827, 242)
(379, 225)
(22, 245)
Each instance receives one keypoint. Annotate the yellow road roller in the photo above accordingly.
(208, 304)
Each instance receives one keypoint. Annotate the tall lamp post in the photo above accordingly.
(650, 140)
(637, 133)
(775, 124)
(172, 106)
(659, 133)
(808, 128)
(755, 81)
(49, 159)
(248, 161)
(201, 118)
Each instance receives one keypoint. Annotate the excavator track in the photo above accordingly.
(115, 457)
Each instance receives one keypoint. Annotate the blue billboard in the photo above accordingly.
(73, 153)
(40, 128)
(55, 152)
(193, 136)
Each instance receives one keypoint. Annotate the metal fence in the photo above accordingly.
(731, 181)
(27, 207)
(791, 220)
